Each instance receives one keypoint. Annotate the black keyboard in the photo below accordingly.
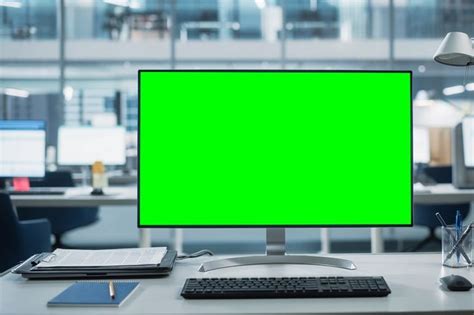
(40, 192)
(294, 287)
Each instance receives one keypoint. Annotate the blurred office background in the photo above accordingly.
(71, 62)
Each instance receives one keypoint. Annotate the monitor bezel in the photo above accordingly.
(45, 129)
(409, 72)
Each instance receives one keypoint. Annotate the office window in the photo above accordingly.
(29, 62)
(28, 20)
(135, 20)
(104, 55)
(433, 19)
(227, 34)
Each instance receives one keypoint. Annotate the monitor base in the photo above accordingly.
(276, 254)
(277, 259)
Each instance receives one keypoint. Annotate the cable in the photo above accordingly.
(196, 254)
(466, 75)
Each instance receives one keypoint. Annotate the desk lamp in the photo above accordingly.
(456, 49)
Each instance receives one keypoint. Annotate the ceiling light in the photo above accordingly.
(68, 93)
(16, 92)
(261, 4)
(452, 90)
(422, 95)
(11, 4)
(470, 86)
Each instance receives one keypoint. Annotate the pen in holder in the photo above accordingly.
(456, 249)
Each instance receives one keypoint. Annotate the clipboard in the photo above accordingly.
(27, 270)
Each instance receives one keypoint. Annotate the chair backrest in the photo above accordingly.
(9, 226)
(440, 174)
(8, 217)
(55, 179)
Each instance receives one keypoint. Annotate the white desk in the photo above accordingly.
(81, 197)
(412, 278)
(443, 193)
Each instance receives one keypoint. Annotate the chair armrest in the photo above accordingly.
(35, 236)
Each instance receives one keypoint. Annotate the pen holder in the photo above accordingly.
(456, 247)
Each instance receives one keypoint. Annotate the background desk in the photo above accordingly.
(443, 193)
(81, 197)
(413, 279)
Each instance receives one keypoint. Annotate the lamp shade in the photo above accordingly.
(455, 50)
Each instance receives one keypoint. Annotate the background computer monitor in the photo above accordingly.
(22, 148)
(86, 145)
(421, 145)
(275, 148)
(468, 140)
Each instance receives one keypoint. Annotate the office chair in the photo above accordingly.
(424, 215)
(62, 219)
(20, 239)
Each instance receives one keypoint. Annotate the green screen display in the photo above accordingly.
(274, 148)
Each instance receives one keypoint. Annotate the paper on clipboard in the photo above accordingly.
(62, 258)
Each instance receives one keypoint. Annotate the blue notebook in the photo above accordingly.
(94, 293)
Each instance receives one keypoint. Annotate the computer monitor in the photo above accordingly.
(463, 153)
(85, 145)
(22, 148)
(275, 149)
(468, 140)
(421, 145)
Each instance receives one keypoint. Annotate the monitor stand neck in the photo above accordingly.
(276, 254)
(85, 172)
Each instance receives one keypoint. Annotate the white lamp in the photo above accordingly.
(455, 50)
